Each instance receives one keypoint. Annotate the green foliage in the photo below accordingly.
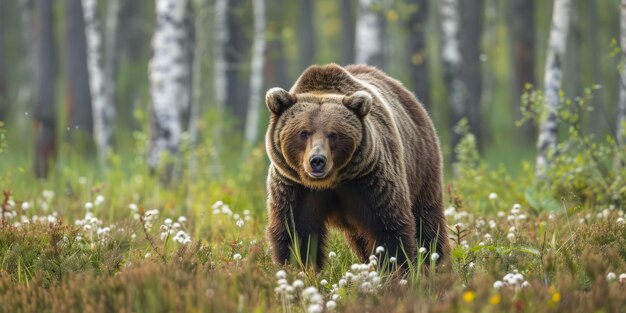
(3, 138)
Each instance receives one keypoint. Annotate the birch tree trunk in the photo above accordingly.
(78, 94)
(522, 28)
(103, 110)
(256, 77)
(548, 125)
(169, 82)
(306, 38)
(370, 33)
(416, 44)
(621, 113)
(452, 63)
(348, 24)
(221, 38)
(110, 49)
(45, 121)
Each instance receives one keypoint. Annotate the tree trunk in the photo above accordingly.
(102, 106)
(230, 53)
(348, 24)
(4, 106)
(45, 121)
(452, 63)
(621, 113)
(370, 33)
(25, 96)
(416, 44)
(548, 125)
(471, 14)
(170, 86)
(522, 30)
(256, 77)
(78, 94)
(110, 49)
(276, 63)
(306, 38)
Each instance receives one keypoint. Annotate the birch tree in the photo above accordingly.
(45, 121)
(416, 44)
(370, 33)
(103, 110)
(452, 63)
(256, 77)
(621, 113)
(79, 97)
(169, 74)
(548, 124)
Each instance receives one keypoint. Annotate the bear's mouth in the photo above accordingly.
(317, 174)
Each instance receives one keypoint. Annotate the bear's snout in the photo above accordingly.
(317, 162)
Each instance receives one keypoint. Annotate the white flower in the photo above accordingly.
(493, 196)
(393, 260)
(168, 221)
(298, 284)
(147, 255)
(525, 284)
(342, 282)
(332, 254)
(182, 237)
(472, 265)
(516, 208)
(622, 278)
(25, 205)
(422, 250)
(510, 236)
(434, 256)
(498, 284)
(620, 220)
(99, 200)
(331, 305)
(380, 249)
(315, 308)
(611, 276)
(239, 223)
(88, 205)
(237, 257)
(281, 274)
(133, 207)
(324, 282)
(48, 195)
(403, 282)
(182, 219)
(282, 282)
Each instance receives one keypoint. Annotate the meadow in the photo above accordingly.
(115, 238)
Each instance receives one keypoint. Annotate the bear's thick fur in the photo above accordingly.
(351, 147)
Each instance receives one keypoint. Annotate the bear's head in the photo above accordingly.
(313, 135)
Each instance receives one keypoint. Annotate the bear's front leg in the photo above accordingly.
(296, 222)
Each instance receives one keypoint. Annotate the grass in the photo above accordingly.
(91, 240)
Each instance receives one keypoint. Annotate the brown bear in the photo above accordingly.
(351, 147)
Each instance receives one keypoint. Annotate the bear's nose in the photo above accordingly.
(317, 162)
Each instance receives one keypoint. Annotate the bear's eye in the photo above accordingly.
(332, 136)
(304, 134)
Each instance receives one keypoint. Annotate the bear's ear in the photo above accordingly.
(360, 102)
(278, 100)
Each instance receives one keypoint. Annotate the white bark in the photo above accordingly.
(256, 77)
(369, 33)
(621, 113)
(102, 106)
(169, 78)
(548, 125)
(221, 38)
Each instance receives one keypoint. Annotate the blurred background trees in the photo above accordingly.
(87, 72)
